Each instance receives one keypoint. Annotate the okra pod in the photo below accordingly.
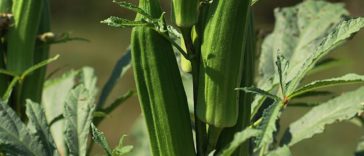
(185, 12)
(221, 67)
(160, 89)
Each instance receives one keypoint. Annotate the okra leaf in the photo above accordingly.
(256, 90)
(15, 138)
(360, 148)
(314, 94)
(346, 79)
(120, 68)
(133, 8)
(38, 126)
(122, 149)
(54, 96)
(238, 139)
(281, 151)
(298, 31)
(78, 110)
(123, 23)
(268, 124)
(337, 36)
(340, 108)
(100, 139)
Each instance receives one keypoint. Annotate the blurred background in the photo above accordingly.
(82, 19)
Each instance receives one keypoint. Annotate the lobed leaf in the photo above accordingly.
(298, 31)
(38, 126)
(15, 138)
(268, 124)
(340, 34)
(340, 108)
(78, 110)
(348, 78)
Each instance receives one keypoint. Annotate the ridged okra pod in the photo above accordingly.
(221, 66)
(21, 36)
(185, 12)
(160, 89)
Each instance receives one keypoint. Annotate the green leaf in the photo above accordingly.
(121, 149)
(123, 23)
(239, 138)
(100, 139)
(340, 34)
(15, 138)
(298, 31)
(340, 108)
(260, 92)
(78, 111)
(348, 78)
(281, 151)
(133, 8)
(54, 95)
(38, 126)
(268, 124)
(120, 68)
(314, 94)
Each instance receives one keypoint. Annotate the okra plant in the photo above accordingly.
(195, 80)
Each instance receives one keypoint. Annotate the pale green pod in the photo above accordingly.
(221, 65)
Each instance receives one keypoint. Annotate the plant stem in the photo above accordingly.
(200, 127)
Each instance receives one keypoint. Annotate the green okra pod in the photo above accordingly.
(221, 66)
(160, 89)
(185, 12)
